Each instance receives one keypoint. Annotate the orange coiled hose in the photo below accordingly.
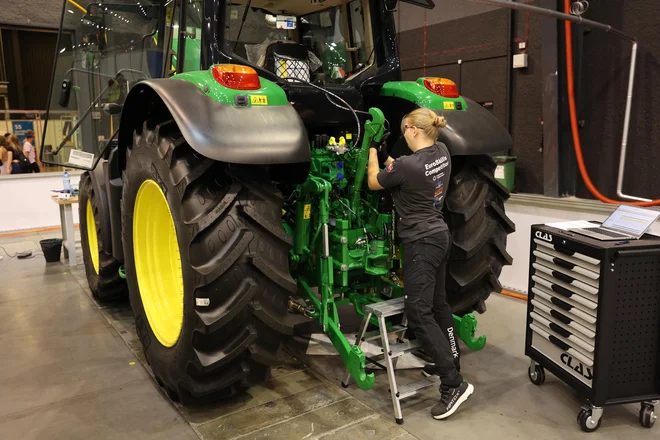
(574, 123)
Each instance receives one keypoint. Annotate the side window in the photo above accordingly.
(186, 37)
(104, 49)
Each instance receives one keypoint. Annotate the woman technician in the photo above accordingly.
(419, 184)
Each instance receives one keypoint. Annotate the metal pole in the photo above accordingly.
(626, 127)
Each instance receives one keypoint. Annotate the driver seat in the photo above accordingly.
(288, 60)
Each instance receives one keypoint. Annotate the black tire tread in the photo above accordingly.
(107, 285)
(474, 211)
(238, 252)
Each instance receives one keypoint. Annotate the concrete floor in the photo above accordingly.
(72, 369)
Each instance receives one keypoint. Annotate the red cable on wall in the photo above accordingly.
(424, 41)
(574, 122)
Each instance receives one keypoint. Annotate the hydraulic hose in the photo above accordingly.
(574, 122)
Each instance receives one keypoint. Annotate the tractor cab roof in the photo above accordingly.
(292, 7)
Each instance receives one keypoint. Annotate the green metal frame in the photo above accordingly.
(417, 93)
(273, 94)
(346, 248)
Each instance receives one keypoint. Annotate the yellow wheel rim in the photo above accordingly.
(92, 240)
(158, 263)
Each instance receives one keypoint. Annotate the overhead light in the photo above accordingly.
(63, 49)
(70, 11)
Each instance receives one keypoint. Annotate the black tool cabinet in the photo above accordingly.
(593, 319)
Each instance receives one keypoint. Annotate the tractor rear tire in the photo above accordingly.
(101, 268)
(233, 263)
(474, 211)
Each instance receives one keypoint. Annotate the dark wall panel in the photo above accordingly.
(37, 57)
(479, 40)
(471, 38)
(479, 86)
(28, 60)
(527, 109)
(603, 90)
(410, 17)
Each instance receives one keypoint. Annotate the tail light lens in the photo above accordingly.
(442, 86)
(237, 77)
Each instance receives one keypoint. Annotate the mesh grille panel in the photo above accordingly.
(636, 342)
(291, 68)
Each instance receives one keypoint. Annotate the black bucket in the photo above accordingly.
(52, 248)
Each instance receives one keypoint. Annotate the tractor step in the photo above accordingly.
(401, 348)
(410, 389)
(385, 308)
(375, 334)
(390, 352)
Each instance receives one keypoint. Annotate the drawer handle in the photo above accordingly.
(559, 330)
(561, 304)
(564, 251)
(563, 263)
(558, 316)
(559, 343)
(638, 253)
(563, 277)
(562, 291)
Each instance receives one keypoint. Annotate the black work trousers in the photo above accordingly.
(429, 315)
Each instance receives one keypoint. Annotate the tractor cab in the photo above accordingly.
(329, 47)
(106, 47)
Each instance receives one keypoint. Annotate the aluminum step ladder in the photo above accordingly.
(391, 352)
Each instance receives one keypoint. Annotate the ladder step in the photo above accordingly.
(410, 389)
(402, 348)
(375, 334)
(386, 308)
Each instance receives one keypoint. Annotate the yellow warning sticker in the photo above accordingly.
(449, 105)
(259, 100)
(349, 136)
(307, 213)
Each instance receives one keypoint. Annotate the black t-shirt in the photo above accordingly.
(419, 184)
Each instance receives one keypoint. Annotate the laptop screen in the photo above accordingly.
(631, 219)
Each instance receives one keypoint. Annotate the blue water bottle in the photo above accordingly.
(66, 181)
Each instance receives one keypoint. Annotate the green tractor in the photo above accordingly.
(226, 146)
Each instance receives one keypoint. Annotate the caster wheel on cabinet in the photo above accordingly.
(647, 416)
(536, 375)
(587, 422)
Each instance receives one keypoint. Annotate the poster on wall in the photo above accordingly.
(21, 128)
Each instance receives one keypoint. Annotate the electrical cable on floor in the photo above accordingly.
(574, 122)
(18, 254)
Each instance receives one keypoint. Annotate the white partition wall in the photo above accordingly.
(25, 201)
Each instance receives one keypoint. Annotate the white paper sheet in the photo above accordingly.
(573, 225)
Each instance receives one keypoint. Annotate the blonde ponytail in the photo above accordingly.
(426, 120)
(440, 122)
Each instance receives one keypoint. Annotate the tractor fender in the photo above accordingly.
(258, 135)
(473, 131)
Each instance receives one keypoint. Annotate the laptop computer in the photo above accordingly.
(625, 223)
